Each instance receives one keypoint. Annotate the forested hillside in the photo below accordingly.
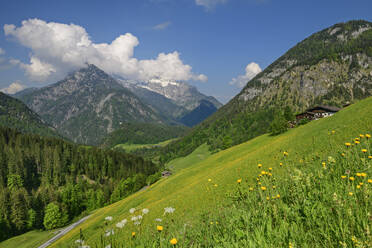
(46, 182)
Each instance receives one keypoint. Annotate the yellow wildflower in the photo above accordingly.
(259, 165)
(133, 234)
(215, 185)
(350, 193)
(357, 142)
(343, 177)
(359, 174)
(361, 184)
(358, 186)
(216, 222)
(173, 241)
(239, 180)
(364, 150)
(357, 139)
(209, 180)
(369, 180)
(351, 178)
(250, 188)
(363, 174)
(259, 183)
(267, 198)
(347, 144)
(269, 174)
(361, 136)
(370, 156)
(159, 228)
(274, 187)
(333, 131)
(277, 196)
(343, 154)
(211, 223)
(270, 169)
(281, 164)
(285, 153)
(368, 136)
(263, 188)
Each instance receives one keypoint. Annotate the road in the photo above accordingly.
(63, 232)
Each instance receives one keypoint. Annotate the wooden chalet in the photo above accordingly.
(166, 173)
(317, 112)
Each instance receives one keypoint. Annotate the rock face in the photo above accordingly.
(87, 105)
(173, 99)
(199, 114)
(15, 114)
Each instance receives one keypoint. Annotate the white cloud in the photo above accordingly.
(251, 70)
(162, 26)
(58, 48)
(209, 4)
(13, 88)
(2, 51)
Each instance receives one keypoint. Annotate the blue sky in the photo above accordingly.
(197, 39)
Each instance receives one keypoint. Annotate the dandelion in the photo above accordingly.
(351, 178)
(361, 184)
(350, 193)
(250, 188)
(274, 187)
(215, 185)
(357, 139)
(270, 169)
(159, 228)
(169, 210)
(358, 186)
(368, 136)
(145, 211)
(357, 142)
(324, 164)
(132, 210)
(358, 174)
(269, 174)
(259, 165)
(267, 198)
(333, 132)
(285, 153)
(108, 218)
(173, 241)
(369, 180)
(211, 223)
(343, 154)
(263, 188)
(361, 136)
(209, 180)
(133, 234)
(343, 177)
(277, 196)
(347, 144)
(158, 220)
(263, 172)
(370, 156)
(239, 180)
(364, 150)
(363, 174)
(281, 164)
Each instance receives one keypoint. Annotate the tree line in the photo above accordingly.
(46, 182)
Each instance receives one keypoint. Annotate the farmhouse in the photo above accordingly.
(317, 112)
(166, 173)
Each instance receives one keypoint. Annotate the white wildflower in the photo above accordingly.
(145, 211)
(124, 221)
(108, 246)
(84, 246)
(108, 218)
(169, 210)
(139, 217)
(79, 241)
(134, 218)
(137, 223)
(120, 225)
(132, 210)
(158, 219)
(109, 232)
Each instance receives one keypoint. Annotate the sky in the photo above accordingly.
(215, 45)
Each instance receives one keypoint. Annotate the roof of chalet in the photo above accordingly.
(322, 107)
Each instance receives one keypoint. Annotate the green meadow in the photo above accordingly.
(303, 188)
(132, 147)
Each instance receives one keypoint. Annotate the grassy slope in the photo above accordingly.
(133, 147)
(189, 190)
(30, 239)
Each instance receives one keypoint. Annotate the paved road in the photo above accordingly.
(63, 232)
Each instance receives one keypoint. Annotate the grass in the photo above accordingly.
(28, 240)
(206, 191)
(133, 147)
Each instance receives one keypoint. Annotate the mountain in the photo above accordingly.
(143, 133)
(173, 99)
(197, 115)
(87, 105)
(331, 67)
(15, 114)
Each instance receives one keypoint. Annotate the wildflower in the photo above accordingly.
(216, 222)
(145, 211)
(290, 245)
(368, 136)
(270, 169)
(108, 246)
(274, 187)
(370, 156)
(343, 177)
(259, 183)
(323, 164)
(263, 172)
(108, 218)
(364, 150)
(120, 225)
(133, 234)
(173, 241)
(333, 132)
(285, 153)
(267, 198)
(361, 184)
(357, 139)
(343, 154)
(239, 180)
(359, 174)
(363, 174)
(358, 186)
(259, 165)
(250, 188)
(79, 241)
(269, 174)
(351, 178)
(350, 193)
(369, 180)
(215, 185)
(158, 220)
(347, 144)
(357, 142)
(281, 164)
(263, 188)
(169, 210)
(132, 210)
(361, 136)
(124, 221)
(137, 223)
(109, 232)
(277, 196)
(134, 218)
(159, 228)
(209, 180)
(211, 223)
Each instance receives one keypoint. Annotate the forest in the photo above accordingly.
(47, 182)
